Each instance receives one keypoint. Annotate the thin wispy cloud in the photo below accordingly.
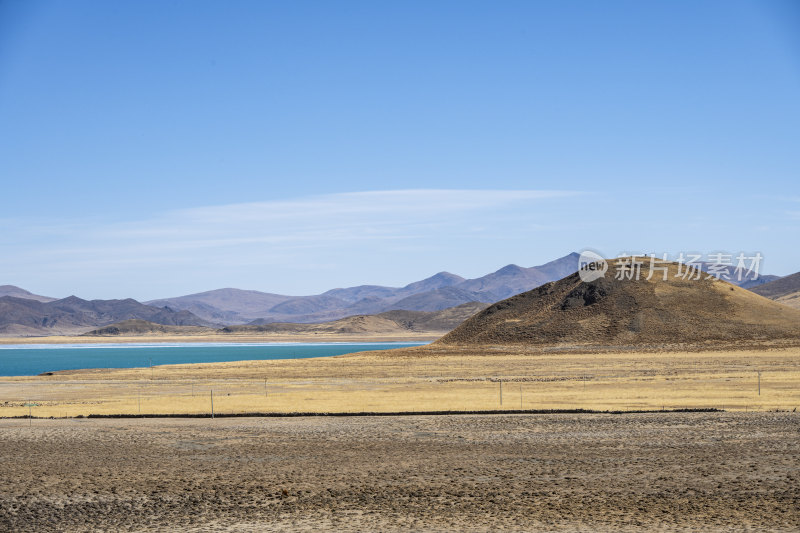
(333, 230)
(335, 212)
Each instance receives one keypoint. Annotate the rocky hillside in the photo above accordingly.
(611, 311)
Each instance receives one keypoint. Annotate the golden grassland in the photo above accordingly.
(424, 379)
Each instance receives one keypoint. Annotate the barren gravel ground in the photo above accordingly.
(671, 471)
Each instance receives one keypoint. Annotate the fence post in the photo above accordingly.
(212, 403)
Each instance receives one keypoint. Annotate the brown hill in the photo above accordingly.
(389, 322)
(438, 299)
(785, 290)
(136, 327)
(444, 320)
(353, 324)
(610, 311)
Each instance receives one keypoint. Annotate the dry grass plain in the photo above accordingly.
(424, 379)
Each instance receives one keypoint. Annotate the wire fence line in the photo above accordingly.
(429, 389)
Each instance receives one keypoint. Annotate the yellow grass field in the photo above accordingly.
(423, 380)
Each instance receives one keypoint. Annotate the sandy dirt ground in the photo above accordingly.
(646, 472)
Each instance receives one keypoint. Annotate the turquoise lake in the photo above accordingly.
(30, 360)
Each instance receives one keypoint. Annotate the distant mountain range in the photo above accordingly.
(25, 316)
(440, 291)
(743, 279)
(23, 313)
(429, 323)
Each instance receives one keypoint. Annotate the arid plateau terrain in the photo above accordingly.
(570, 472)
(613, 405)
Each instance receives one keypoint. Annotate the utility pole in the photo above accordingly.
(212, 403)
(759, 382)
(501, 392)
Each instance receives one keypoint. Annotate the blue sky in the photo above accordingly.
(151, 149)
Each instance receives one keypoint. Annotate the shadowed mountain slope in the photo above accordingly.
(136, 327)
(373, 292)
(610, 311)
(21, 316)
(228, 306)
(384, 323)
(444, 320)
(785, 290)
(439, 299)
(306, 305)
(513, 279)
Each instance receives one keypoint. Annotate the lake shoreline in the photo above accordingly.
(420, 379)
(55, 359)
